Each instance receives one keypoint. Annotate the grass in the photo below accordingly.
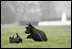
(58, 37)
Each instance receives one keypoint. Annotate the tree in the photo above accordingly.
(7, 16)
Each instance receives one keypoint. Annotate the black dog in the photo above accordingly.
(35, 34)
(15, 40)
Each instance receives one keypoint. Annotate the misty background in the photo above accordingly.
(23, 12)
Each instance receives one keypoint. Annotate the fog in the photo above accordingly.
(36, 12)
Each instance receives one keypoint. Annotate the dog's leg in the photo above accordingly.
(29, 36)
(21, 40)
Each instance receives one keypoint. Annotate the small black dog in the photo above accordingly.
(35, 34)
(15, 40)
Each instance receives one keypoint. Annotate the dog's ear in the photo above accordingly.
(30, 25)
(27, 24)
(10, 37)
(13, 36)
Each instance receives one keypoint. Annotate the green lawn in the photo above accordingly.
(58, 37)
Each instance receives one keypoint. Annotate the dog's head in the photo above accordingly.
(11, 39)
(29, 28)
